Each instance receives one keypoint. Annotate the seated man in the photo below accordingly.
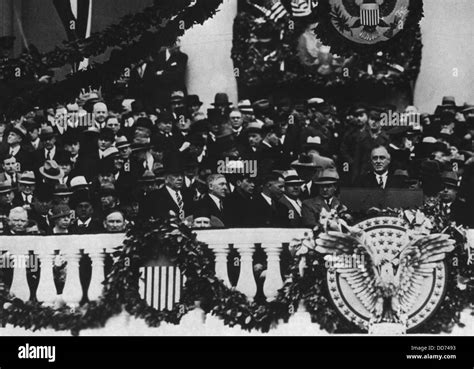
(379, 176)
(115, 222)
(213, 201)
(289, 205)
(17, 221)
(263, 208)
(327, 188)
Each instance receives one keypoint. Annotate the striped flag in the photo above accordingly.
(277, 10)
(161, 287)
(369, 14)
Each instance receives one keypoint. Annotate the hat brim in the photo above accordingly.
(222, 103)
(303, 165)
(60, 215)
(63, 193)
(326, 182)
(46, 175)
(6, 191)
(294, 183)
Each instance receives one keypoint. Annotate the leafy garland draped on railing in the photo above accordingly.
(148, 240)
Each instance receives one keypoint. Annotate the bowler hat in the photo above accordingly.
(20, 131)
(193, 100)
(221, 99)
(122, 143)
(312, 142)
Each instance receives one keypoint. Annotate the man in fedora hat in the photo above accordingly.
(222, 103)
(6, 198)
(450, 206)
(26, 188)
(290, 205)
(193, 103)
(327, 185)
(84, 222)
(41, 205)
(307, 170)
(49, 150)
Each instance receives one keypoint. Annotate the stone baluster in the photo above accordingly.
(19, 287)
(273, 280)
(96, 286)
(221, 252)
(72, 293)
(246, 283)
(46, 291)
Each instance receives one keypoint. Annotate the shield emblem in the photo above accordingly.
(161, 286)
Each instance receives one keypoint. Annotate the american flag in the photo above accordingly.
(302, 8)
(277, 10)
(161, 287)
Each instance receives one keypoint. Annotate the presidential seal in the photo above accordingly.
(382, 274)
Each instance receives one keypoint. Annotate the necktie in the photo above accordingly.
(381, 181)
(48, 155)
(180, 205)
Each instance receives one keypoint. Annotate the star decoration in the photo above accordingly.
(333, 289)
(341, 305)
(385, 221)
(346, 311)
(376, 222)
(390, 243)
(386, 250)
(399, 244)
(381, 233)
(390, 233)
(394, 252)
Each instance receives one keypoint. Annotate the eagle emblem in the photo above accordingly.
(399, 276)
(369, 21)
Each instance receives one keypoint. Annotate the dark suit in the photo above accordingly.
(23, 156)
(261, 214)
(288, 215)
(159, 203)
(312, 209)
(39, 156)
(369, 180)
(94, 226)
(237, 206)
(172, 78)
(208, 206)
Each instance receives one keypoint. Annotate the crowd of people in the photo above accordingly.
(93, 166)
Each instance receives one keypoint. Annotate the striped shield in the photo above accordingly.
(161, 286)
(369, 14)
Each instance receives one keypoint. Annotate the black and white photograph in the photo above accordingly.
(237, 168)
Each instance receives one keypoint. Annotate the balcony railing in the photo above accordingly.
(73, 247)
